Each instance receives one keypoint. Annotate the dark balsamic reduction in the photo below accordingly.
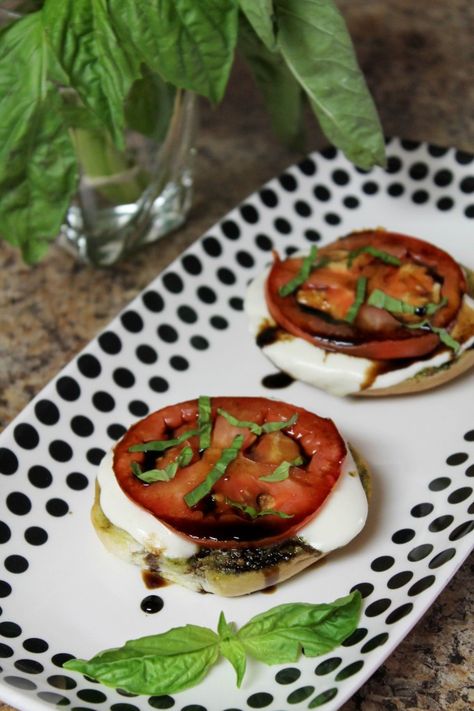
(277, 380)
(269, 590)
(153, 579)
(151, 604)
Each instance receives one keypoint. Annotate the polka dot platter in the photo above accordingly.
(63, 595)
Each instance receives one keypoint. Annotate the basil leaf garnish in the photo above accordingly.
(279, 424)
(254, 513)
(443, 334)
(218, 470)
(161, 444)
(204, 421)
(181, 657)
(359, 300)
(282, 471)
(381, 300)
(379, 253)
(255, 428)
(168, 472)
(303, 274)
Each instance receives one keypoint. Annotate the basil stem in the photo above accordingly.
(218, 470)
(282, 471)
(369, 249)
(253, 513)
(168, 472)
(302, 275)
(204, 421)
(359, 300)
(162, 444)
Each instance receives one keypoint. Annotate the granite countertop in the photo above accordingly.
(418, 60)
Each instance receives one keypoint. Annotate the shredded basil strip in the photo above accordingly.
(282, 471)
(381, 300)
(166, 474)
(369, 249)
(218, 470)
(255, 428)
(253, 513)
(162, 444)
(359, 300)
(444, 336)
(302, 275)
(204, 421)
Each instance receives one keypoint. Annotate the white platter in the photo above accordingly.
(186, 335)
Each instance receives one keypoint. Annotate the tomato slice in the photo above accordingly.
(420, 274)
(241, 509)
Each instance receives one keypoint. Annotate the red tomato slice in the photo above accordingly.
(221, 518)
(314, 311)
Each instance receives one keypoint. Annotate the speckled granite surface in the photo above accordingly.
(418, 59)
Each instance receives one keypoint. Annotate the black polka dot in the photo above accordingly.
(259, 700)
(328, 666)
(89, 366)
(8, 461)
(77, 481)
(212, 246)
(460, 495)
(10, 629)
(420, 552)
(365, 589)
(161, 702)
(199, 343)
(18, 503)
(29, 666)
(173, 282)
(455, 459)
(5, 532)
(290, 250)
(158, 384)
(36, 536)
(395, 189)
(138, 408)
(323, 697)
(268, 197)
(329, 153)
(95, 455)
(375, 642)
(264, 242)
(321, 193)
(132, 321)
(167, 333)
(442, 558)
(351, 202)
(110, 343)
(332, 218)
(226, 276)
(47, 412)
(5, 588)
(462, 530)
(61, 657)
(307, 166)
(249, 213)
(82, 426)
(400, 579)
(187, 314)
(288, 675)
(437, 151)
(357, 636)
(231, 229)
(445, 203)
(418, 171)
(206, 295)
(398, 614)
(469, 211)
(92, 696)
(340, 177)
(288, 182)
(16, 564)
(60, 450)
(245, 259)
(103, 401)
(115, 431)
(179, 363)
(35, 645)
(151, 604)
(68, 388)
(370, 188)
(236, 303)
(153, 301)
(439, 484)
(51, 697)
(394, 164)
(384, 562)
(378, 607)
(20, 682)
(131, 707)
(5, 651)
(123, 377)
(26, 436)
(469, 436)
(57, 507)
(419, 197)
(282, 225)
(219, 322)
(421, 585)
(146, 354)
(421, 510)
(409, 145)
(39, 476)
(299, 695)
(467, 184)
(192, 264)
(463, 158)
(302, 208)
(403, 535)
(61, 681)
(350, 670)
(440, 523)
(443, 178)
(312, 235)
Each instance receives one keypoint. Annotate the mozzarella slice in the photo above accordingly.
(337, 373)
(340, 518)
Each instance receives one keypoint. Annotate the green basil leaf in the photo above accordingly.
(353, 310)
(379, 253)
(279, 635)
(159, 664)
(160, 445)
(281, 93)
(303, 274)
(204, 421)
(443, 334)
(316, 45)
(189, 44)
(381, 300)
(235, 422)
(260, 15)
(95, 59)
(231, 648)
(253, 513)
(218, 470)
(168, 472)
(282, 471)
(279, 424)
